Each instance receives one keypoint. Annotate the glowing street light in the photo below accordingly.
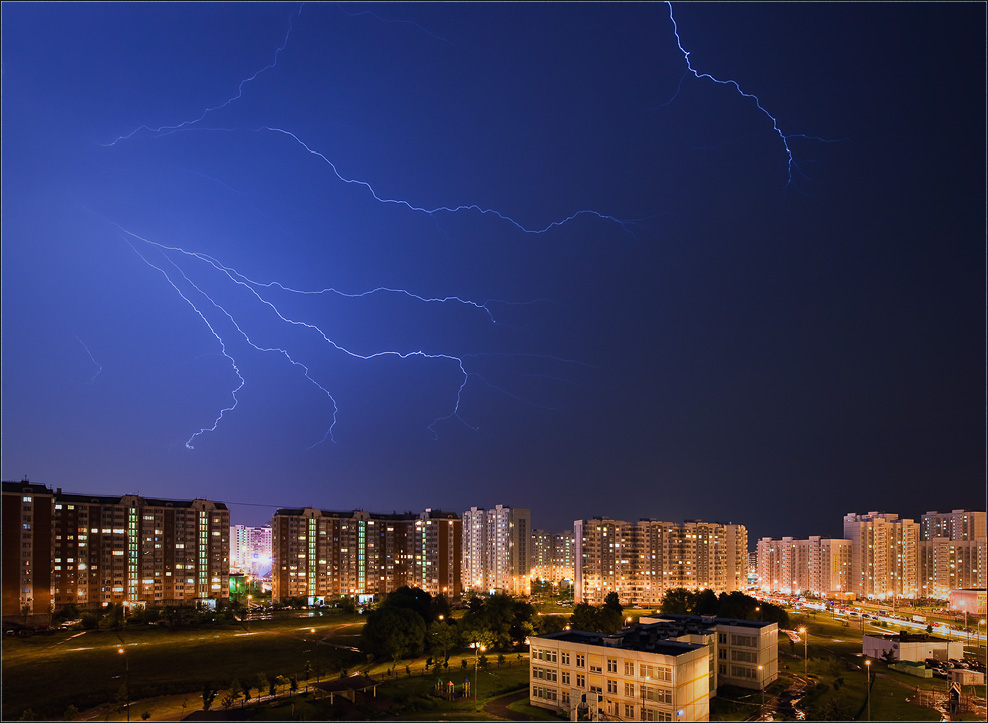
(806, 636)
(868, 683)
(127, 668)
(478, 649)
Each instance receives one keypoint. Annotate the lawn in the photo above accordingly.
(46, 674)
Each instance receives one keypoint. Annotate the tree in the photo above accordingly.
(677, 601)
(393, 632)
(613, 602)
(706, 603)
(208, 695)
(261, 684)
(609, 620)
(145, 715)
(414, 599)
(549, 624)
(443, 637)
(888, 656)
(500, 659)
(584, 617)
(235, 690)
(292, 685)
(70, 713)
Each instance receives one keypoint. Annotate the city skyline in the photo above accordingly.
(676, 262)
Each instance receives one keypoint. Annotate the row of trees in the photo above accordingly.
(410, 621)
(735, 605)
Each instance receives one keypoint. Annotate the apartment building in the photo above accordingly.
(884, 555)
(552, 556)
(250, 549)
(951, 552)
(497, 549)
(816, 565)
(327, 554)
(946, 565)
(657, 670)
(124, 549)
(957, 525)
(26, 512)
(641, 560)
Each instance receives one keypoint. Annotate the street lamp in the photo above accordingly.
(313, 631)
(761, 684)
(868, 685)
(127, 669)
(478, 649)
(805, 642)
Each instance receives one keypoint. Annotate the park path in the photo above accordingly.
(499, 706)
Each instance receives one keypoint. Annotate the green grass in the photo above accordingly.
(48, 673)
(89, 670)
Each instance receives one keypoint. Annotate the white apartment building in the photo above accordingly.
(816, 565)
(641, 560)
(250, 549)
(552, 556)
(661, 669)
(954, 525)
(884, 555)
(497, 549)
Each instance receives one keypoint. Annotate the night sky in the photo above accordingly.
(396, 256)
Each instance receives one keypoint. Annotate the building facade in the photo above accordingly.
(954, 525)
(26, 513)
(951, 552)
(497, 550)
(128, 550)
(884, 555)
(326, 554)
(816, 565)
(250, 550)
(642, 560)
(661, 669)
(552, 556)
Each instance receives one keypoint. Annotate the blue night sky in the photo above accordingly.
(394, 256)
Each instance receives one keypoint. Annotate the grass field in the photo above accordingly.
(47, 674)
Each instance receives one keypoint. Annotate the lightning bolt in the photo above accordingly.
(205, 306)
(239, 94)
(791, 164)
(253, 287)
(99, 367)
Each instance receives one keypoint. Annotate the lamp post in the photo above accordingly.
(127, 669)
(868, 685)
(806, 636)
(761, 684)
(478, 648)
(313, 631)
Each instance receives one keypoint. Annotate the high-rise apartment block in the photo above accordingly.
(552, 556)
(884, 555)
(817, 565)
(497, 549)
(112, 549)
(250, 549)
(324, 554)
(951, 552)
(642, 560)
(26, 515)
(956, 525)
